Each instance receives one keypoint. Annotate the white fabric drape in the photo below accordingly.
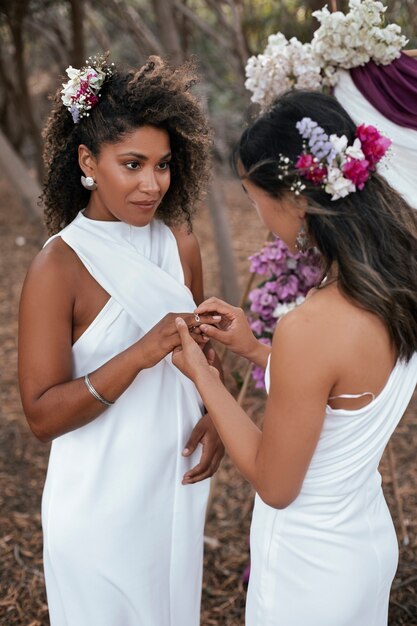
(400, 170)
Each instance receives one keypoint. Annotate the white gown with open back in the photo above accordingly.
(329, 558)
(123, 539)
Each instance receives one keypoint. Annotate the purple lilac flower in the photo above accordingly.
(288, 276)
(287, 287)
(75, 114)
(258, 375)
(257, 326)
(318, 140)
(305, 127)
(309, 274)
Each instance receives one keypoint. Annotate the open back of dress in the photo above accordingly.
(330, 557)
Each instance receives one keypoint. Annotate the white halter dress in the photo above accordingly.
(329, 558)
(123, 539)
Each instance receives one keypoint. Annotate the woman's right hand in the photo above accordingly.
(164, 337)
(233, 330)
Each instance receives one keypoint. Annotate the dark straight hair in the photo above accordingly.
(371, 235)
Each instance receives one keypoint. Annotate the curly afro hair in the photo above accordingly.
(155, 95)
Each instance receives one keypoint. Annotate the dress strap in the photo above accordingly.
(353, 395)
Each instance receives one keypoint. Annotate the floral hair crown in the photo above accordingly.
(328, 161)
(82, 92)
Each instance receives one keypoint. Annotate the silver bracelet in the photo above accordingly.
(95, 393)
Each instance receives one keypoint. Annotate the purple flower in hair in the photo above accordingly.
(75, 114)
(318, 140)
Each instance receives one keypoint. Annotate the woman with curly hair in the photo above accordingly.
(340, 374)
(124, 501)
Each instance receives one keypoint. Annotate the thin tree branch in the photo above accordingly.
(216, 7)
(143, 37)
(168, 29)
(202, 25)
(98, 33)
(38, 30)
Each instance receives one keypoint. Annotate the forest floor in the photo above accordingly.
(23, 460)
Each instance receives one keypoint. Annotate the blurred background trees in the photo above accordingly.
(40, 38)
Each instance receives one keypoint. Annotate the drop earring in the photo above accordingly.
(301, 241)
(88, 183)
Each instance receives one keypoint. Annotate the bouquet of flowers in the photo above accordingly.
(341, 42)
(351, 40)
(288, 278)
(283, 65)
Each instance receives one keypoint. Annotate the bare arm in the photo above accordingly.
(274, 460)
(54, 403)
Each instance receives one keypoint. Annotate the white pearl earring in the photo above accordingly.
(89, 183)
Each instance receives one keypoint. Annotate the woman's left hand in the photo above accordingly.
(189, 358)
(212, 453)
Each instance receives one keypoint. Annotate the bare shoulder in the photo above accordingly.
(187, 241)
(335, 327)
(189, 251)
(303, 328)
(55, 268)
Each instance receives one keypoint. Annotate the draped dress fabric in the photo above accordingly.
(123, 539)
(329, 558)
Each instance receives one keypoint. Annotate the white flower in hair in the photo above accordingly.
(81, 93)
(339, 143)
(337, 185)
(355, 151)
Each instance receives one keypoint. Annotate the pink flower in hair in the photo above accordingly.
(357, 171)
(312, 170)
(374, 145)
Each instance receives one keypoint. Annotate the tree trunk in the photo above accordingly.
(168, 30)
(17, 173)
(77, 27)
(145, 41)
(25, 105)
(218, 212)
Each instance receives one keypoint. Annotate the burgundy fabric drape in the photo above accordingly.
(391, 89)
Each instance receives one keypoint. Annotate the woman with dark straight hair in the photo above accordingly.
(340, 374)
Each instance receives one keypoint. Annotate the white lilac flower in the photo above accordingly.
(339, 143)
(355, 151)
(282, 66)
(337, 185)
(353, 39)
(283, 308)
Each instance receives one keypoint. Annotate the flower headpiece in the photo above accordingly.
(328, 161)
(81, 92)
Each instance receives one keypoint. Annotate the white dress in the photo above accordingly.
(123, 539)
(329, 558)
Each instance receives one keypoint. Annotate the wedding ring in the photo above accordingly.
(196, 317)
